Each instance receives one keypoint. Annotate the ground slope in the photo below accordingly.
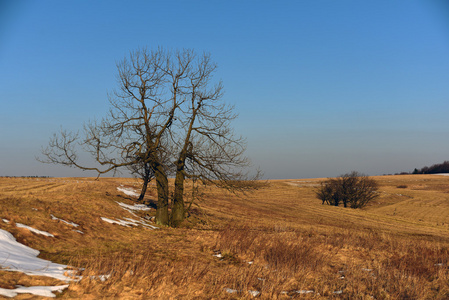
(277, 242)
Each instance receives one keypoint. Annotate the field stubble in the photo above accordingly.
(276, 243)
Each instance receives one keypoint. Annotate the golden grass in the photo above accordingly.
(280, 241)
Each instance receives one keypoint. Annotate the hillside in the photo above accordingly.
(276, 243)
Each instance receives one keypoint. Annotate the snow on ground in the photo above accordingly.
(134, 207)
(102, 278)
(443, 174)
(128, 222)
(18, 257)
(64, 221)
(37, 231)
(44, 291)
(119, 222)
(304, 292)
(230, 291)
(128, 191)
(254, 293)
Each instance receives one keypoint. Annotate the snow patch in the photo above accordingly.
(367, 270)
(102, 278)
(128, 191)
(134, 207)
(128, 222)
(64, 221)
(44, 291)
(119, 222)
(18, 257)
(5, 220)
(304, 292)
(299, 292)
(37, 231)
(254, 293)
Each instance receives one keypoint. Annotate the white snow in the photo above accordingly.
(134, 207)
(79, 231)
(128, 191)
(367, 270)
(299, 292)
(37, 231)
(128, 222)
(119, 222)
(102, 278)
(254, 293)
(443, 174)
(139, 222)
(5, 220)
(18, 257)
(64, 221)
(44, 291)
(232, 291)
(304, 292)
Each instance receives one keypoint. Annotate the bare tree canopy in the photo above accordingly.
(166, 117)
(352, 189)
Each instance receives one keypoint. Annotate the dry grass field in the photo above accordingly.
(278, 242)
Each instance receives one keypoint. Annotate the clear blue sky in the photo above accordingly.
(322, 87)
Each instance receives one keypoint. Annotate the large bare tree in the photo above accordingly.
(132, 135)
(166, 117)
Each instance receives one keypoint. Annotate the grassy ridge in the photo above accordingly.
(279, 241)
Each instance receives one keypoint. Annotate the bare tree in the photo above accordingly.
(352, 189)
(141, 113)
(167, 117)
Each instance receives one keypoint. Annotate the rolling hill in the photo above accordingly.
(277, 242)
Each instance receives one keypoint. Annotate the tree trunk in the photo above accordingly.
(144, 189)
(162, 196)
(177, 214)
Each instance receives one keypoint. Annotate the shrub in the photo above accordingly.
(352, 189)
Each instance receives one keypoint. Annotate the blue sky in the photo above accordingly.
(321, 87)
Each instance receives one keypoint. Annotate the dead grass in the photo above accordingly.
(279, 241)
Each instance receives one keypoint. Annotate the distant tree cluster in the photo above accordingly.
(434, 169)
(353, 190)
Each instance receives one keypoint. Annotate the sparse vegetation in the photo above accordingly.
(279, 242)
(352, 189)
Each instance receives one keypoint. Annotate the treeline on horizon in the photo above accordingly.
(433, 169)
